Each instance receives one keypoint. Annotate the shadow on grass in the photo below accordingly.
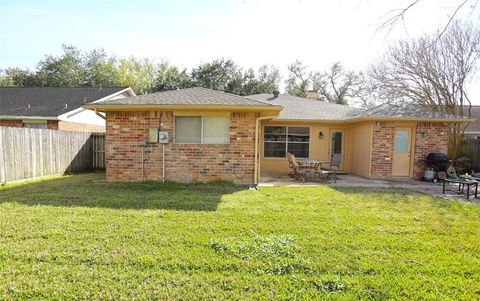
(91, 190)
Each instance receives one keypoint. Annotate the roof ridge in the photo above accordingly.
(215, 91)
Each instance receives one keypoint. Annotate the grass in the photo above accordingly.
(79, 237)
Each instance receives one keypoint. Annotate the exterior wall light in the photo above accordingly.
(320, 135)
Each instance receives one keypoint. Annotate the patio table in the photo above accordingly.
(461, 185)
(312, 163)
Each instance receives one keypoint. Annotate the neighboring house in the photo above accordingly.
(214, 135)
(473, 129)
(58, 108)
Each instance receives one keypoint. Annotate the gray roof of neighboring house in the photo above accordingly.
(474, 126)
(48, 101)
(302, 108)
(405, 111)
(188, 96)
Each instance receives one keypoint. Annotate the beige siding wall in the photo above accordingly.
(319, 148)
(368, 146)
(360, 149)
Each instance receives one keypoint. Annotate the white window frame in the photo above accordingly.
(286, 139)
(201, 130)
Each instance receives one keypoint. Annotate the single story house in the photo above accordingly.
(210, 135)
(473, 129)
(57, 108)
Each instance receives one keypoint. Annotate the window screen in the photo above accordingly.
(35, 125)
(216, 130)
(198, 129)
(188, 129)
(278, 140)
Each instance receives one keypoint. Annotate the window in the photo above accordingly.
(401, 141)
(278, 140)
(35, 125)
(206, 129)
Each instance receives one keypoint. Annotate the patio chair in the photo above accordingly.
(291, 165)
(331, 172)
(323, 174)
(299, 171)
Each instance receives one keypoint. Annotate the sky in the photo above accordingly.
(251, 32)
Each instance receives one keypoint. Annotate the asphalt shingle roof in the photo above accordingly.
(48, 101)
(188, 96)
(299, 108)
(302, 108)
(408, 111)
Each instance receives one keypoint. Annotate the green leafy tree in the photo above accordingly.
(99, 69)
(298, 80)
(269, 78)
(139, 74)
(220, 74)
(17, 77)
(266, 81)
(66, 70)
(169, 77)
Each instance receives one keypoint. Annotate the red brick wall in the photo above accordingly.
(11, 123)
(430, 137)
(79, 127)
(52, 124)
(382, 150)
(184, 162)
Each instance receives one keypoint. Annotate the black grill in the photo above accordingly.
(437, 161)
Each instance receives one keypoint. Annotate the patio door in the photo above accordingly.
(337, 145)
(401, 152)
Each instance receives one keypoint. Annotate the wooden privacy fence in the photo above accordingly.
(98, 144)
(29, 153)
(471, 148)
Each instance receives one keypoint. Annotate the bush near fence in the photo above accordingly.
(29, 153)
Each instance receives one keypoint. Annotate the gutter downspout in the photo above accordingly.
(100, 115)
(256, 176)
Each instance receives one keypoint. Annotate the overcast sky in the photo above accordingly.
(186, 33)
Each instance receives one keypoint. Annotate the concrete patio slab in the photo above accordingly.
(435, 189)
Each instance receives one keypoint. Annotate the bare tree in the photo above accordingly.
(432, 71)
(396, 16)
(337, 85)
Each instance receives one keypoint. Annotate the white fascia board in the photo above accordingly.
(65, 116)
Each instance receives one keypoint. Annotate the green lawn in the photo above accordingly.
(79, 237)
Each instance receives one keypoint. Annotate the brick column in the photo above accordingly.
(382, 150)
(430, 137)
